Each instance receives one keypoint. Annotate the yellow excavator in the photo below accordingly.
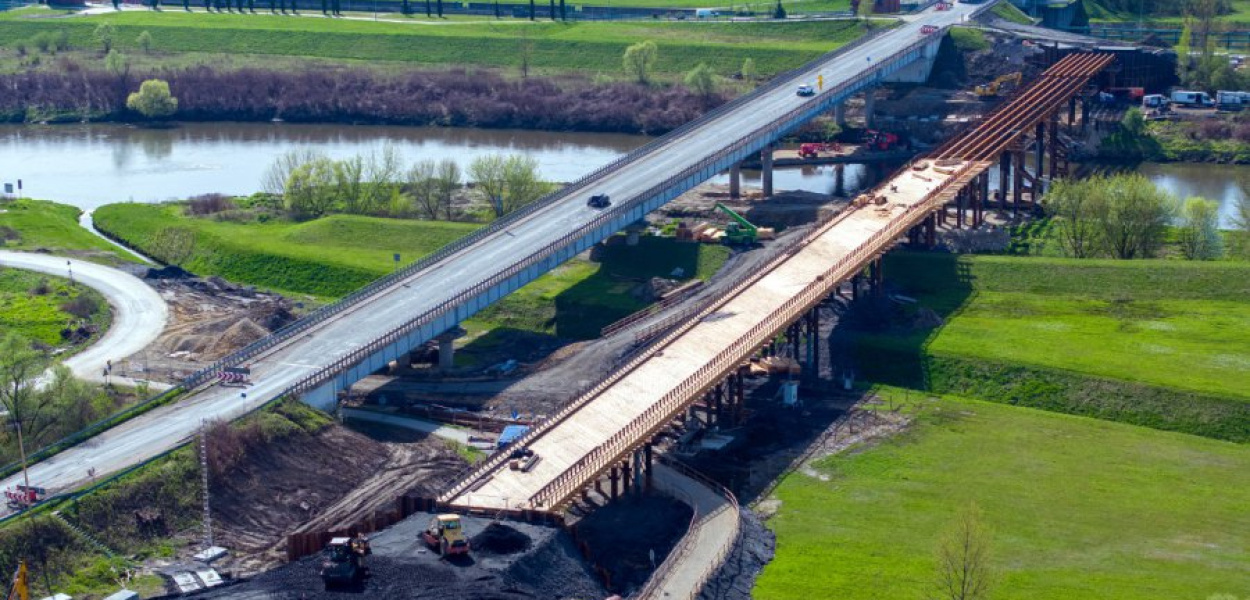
(992, 89)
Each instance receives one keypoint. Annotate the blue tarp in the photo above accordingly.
(511, 433)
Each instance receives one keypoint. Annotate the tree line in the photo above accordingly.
(311, 185)
(1127, 217)
(456, 97)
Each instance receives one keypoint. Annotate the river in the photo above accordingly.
(95, 164)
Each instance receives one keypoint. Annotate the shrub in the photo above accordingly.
(207, 204)
(83, 307)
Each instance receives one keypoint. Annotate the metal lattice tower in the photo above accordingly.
(208, 514)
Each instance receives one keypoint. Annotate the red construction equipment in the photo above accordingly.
(814, 150)
(943, 6)
(880, 140)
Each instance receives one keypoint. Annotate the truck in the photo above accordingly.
(1231, 101)
(742, 231)
(343, 562)
(1191, 99)
(446, 535)
(880, 140)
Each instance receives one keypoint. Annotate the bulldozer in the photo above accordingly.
(446, 534)
(344, 562)
(743, 232)
(993, 88)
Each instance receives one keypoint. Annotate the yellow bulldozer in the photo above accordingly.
(993, 88)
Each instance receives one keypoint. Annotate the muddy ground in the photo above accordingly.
(209, 318)
(321, 482)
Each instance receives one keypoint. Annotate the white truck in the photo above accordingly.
(1231, 101)
(1191, 99)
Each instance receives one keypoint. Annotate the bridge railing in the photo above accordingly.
(660, 414)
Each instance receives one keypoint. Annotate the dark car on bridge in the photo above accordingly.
(599, 201)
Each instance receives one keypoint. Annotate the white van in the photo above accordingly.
(706, 13)
(1191, 99)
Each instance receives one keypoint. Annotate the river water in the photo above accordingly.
(96, 164)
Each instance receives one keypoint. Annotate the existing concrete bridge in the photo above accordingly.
(326, 352)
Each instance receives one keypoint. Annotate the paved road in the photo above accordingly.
(162, 429)
(139, 313)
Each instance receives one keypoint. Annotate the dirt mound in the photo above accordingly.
(239, 334)
(498, 538)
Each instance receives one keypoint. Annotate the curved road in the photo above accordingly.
(139, 313)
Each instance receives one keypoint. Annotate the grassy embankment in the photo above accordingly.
(1164, 344)
(582, 46)
(39, 225)
(166, 490)
(36, 306)
(329, 257)
(1239, 17)
(1077, 507)
(1008, 11)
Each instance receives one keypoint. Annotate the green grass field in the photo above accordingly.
(1169, 323)
(1078, 508)
(1240, 15)
(581, 46)
(29, 225)
(40, 316)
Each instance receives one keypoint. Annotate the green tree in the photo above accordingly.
(27, 411)
(104, 34)
(963, 559)
(1133, 216)
(780, 11)
(702, 80)
(1241, 217)
(310, 188)
(144, 41)
(1071, 204)
(1200, 237)
(153, 100)
(640, 60)
(506, 183)
(1184, 51)
(748, 70)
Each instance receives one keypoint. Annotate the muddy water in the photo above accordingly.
(1214, 182)
(92, 165)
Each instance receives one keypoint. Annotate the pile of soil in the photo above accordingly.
(622, 536)
(498, 538)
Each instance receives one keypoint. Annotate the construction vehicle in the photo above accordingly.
(742, 231)
(880, 140)
(344, 562)
(993, 88)
(943, 6)
(20, 588)
(22, 497)
(812, 150)
(446, 534)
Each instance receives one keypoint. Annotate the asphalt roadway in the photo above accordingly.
(139, 312)
(157, 431)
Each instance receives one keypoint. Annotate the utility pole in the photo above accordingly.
(208, 514)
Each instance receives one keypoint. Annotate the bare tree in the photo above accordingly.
(963, 559)
(383, 170)
(420, 187)
(275, 179)
(349, 184)
(490, 175)
(447, 181)
(1241, 216)
(20, 364)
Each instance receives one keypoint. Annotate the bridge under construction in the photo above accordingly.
(608, 434)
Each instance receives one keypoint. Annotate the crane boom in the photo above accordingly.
(745, 224)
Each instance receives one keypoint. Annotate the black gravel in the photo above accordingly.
(622, 536)
(754, 549)
(498, 538)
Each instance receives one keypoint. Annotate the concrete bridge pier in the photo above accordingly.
(870, 107)
(839, 114)
(633, 232)
(766, 170)
(839, 180)
(1040, 136)
(735, 181)
(447, 349)
(1004, 178)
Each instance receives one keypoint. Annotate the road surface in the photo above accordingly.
(139, 313)
(159, 430)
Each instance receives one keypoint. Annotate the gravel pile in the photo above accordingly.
(498, 538)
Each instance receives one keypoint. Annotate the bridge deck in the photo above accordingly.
(575, 438)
